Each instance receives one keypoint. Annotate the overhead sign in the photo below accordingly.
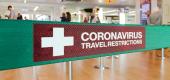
(58, 41)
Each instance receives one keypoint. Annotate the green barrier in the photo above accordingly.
(16, 43)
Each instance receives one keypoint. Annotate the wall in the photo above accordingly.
(166, 11)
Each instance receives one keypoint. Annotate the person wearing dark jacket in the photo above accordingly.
(19, 17)
(68, 17)
(63, 18)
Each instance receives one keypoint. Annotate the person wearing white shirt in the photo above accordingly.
(155, 17)
(10, 14)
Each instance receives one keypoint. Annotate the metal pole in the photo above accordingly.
(112, 68)
(101, 68)
(65, 70)
(112, 60)
(34, 73)
(70, 71)
(163, 54)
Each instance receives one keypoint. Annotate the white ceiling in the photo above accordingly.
(48, 5)
(120, 2)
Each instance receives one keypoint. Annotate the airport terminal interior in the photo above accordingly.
(142, 65)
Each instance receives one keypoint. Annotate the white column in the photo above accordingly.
(100, 14)
(122, 16)
(166, 11)
(34, 18)
(79, 16)
(56, 13)
(52, 15)
(137, 11)
(31, 16)
(153, 4)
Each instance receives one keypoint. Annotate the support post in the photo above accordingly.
(34, 72)
(101, 68)
(70, 71)
(163, 54)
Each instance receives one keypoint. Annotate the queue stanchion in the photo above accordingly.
(101, 68)
(65, 70)
(34, 72)
(163, 54)
(112, 67)
(162, 70)
(113, 56)
(70, 70)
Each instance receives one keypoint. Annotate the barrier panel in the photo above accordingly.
(33, 43)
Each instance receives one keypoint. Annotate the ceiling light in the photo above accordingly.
(100, 1)
(36, 8)
(25, 1)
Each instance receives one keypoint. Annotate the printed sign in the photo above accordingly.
(59, 41)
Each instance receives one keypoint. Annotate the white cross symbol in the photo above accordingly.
(58, 41)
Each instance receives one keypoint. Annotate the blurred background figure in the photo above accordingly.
(92, 19)
(19, 16)
(86, 20)
(97, 20)
(68, 17)
(10, 14)
(25, 18)
(63, 17)
(155, 17)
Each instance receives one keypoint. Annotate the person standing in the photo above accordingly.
(25, 18)
(97, 19)
(19, 17)
(63, 18)
(94, 19)
(68, 17)
(85, 20)
(156, 17)
(10, 14)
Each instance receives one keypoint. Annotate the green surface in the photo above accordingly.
(16, 43)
